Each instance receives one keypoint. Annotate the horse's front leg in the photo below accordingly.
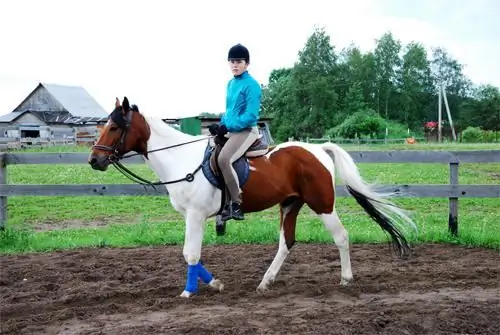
(192, 253)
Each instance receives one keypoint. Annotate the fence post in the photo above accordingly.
(3, 199)
(453, 202)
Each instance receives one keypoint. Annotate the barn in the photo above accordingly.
(53, 113)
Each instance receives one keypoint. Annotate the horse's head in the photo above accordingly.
(125, 131)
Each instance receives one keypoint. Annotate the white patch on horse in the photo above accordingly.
(341, 238)
(314, 149)
(184, 195)
(196, 200)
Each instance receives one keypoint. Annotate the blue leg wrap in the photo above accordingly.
(192, 279)
(204, 274)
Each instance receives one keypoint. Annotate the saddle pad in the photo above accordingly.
(241, 166)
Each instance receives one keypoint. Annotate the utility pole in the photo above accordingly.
(442, 96)
(449, 114)
(440, 113)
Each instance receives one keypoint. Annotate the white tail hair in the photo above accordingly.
(389, 216)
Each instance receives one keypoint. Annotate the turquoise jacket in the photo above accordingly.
(242, 103)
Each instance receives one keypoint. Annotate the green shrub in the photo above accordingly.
(399, 130)
(363, 124)
(367, 124)
(472, 135)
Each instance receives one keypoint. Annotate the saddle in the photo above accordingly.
(257, 149)
(210, 167)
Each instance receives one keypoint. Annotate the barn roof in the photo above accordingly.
(55, 117)
(74, 100)
(10, 117)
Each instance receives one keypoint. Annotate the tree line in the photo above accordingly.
(348, 93)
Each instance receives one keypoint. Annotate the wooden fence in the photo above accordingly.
(453, 191)
(16, 143)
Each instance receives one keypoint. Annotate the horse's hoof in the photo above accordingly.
(261, 289)
(216, 284)
(345, 281)
(186, 294)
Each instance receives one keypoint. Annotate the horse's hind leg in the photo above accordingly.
(341, 238)
(289, 211)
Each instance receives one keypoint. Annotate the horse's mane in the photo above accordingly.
(162, 129)
(158, 126)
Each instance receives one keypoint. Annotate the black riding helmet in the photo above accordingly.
(238, 51)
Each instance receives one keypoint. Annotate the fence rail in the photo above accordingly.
(453, 191)
(16, 143)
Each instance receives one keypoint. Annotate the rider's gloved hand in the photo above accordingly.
(221, 131)
(213, 129)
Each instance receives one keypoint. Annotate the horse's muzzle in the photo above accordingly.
(99, 163)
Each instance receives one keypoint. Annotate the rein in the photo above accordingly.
(115, 157)
(130, 174)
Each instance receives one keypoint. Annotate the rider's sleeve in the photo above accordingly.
(223, 119)
(249, 117)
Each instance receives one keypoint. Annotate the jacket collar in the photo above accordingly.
(243, 75)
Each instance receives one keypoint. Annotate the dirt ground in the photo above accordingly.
(440, 290)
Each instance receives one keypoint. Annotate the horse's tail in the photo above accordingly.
(391, 218)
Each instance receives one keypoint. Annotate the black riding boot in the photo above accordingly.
(232, 210)
(226, 211)
(236, 212)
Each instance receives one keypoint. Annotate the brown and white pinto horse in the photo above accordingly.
(290, 175)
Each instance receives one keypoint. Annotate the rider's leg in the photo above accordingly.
(234, 148)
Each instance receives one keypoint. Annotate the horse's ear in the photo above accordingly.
(117, 102)
(125, 105)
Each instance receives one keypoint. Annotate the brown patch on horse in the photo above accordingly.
(119, 127)
(288, 173)
(289, 213)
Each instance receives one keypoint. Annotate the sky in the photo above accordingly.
(170, 57)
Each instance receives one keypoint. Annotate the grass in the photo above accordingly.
(54, 223)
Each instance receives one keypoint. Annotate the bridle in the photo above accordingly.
(114, 150)
(115, 155)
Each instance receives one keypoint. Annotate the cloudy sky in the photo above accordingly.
(169, 57)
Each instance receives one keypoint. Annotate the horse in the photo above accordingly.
(290, 174)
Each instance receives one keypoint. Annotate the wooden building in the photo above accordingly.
(52, 111)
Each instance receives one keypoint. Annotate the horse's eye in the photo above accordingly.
(113, 128)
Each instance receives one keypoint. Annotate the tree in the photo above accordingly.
(416, 86)
(358, 69)
(448, 73)
(278, 102)
(318, 55)
(277, 74)
(387, 63)
(355, 101)
(314, 77)
(484, 109)
(355, 92)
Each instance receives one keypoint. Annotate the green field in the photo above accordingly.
(51, 223)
